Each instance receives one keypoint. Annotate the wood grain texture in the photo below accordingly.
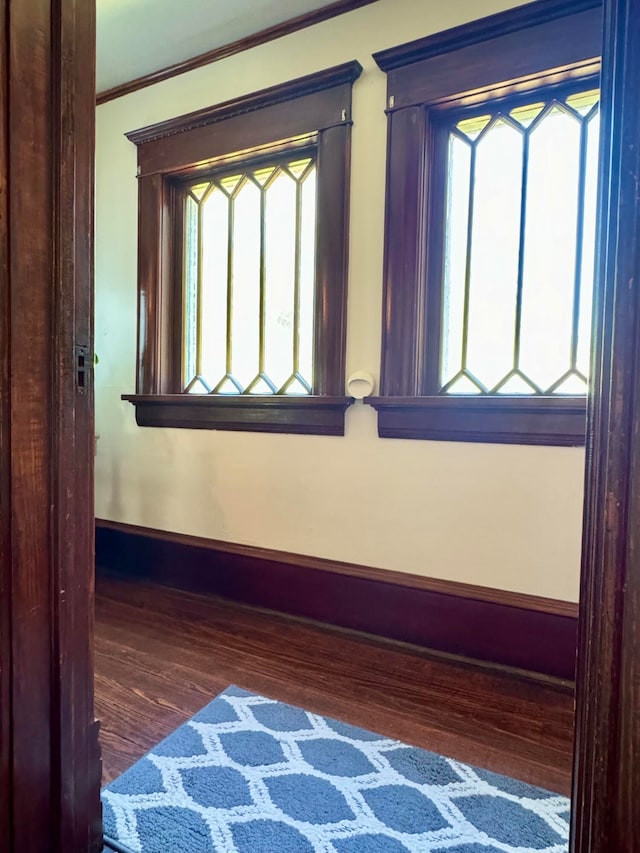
(152, 233)
(403, 294)
(300, 415)
(518, 63)
(510, 630)
(76, 750)
(606, 789)
(5, 447)
(556, 421)
(338, 75)
(50, 760)
(285, 28)
(332, 258)
(505, 597)
(162, 654)
(245, 134)
(29, 97)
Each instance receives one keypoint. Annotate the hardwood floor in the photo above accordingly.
(162, 654)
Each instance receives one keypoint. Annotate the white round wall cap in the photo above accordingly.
(360, 384)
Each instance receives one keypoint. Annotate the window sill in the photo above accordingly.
(302, 415)
(504, 420)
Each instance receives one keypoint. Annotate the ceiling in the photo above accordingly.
(136, 37)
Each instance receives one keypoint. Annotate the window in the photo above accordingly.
(491, 206)
(519, 236)
(243, 231)
(248, 246)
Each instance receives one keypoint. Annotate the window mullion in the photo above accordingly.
(263, 281)
(296, 280)
(467, 276)
(200, 251)
(521, 251)
(230, 226)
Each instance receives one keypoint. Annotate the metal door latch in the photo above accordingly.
(82, 366)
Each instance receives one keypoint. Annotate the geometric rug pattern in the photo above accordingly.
(248, 774)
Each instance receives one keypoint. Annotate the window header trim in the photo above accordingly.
(476, 61)
(501, 24)
(240, 132)
(338, 75)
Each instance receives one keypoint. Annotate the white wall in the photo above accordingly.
(496, 515)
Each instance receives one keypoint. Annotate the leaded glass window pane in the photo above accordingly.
(249, 280)
(519, 248)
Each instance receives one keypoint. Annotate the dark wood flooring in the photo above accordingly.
(162, 654)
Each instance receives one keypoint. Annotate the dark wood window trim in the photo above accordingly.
(313, 110)
(542, 43)
(530, 420)
(251, 413)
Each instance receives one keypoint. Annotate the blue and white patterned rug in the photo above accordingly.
(251, 775)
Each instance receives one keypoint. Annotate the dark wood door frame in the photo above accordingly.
(49, 757)
(606, 792)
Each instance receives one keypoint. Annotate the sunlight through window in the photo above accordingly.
(519, 248)
(249, 281)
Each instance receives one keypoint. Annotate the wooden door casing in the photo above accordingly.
(606, 785)
(49, 756)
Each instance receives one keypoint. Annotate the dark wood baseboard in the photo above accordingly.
(504, 628)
